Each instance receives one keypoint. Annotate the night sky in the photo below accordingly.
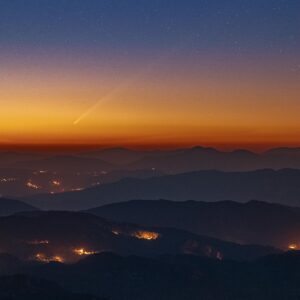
(150, 73)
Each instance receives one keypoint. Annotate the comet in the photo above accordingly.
(125, 84)
(90, 110)
(100, 101)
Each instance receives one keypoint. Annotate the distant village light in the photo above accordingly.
(82, 251)
(146, 235)
(32, 185)
(293, 247)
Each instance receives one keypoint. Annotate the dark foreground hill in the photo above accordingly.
(264, 185)
(253, 222)
(66, 236)
(21, 287)
(10, 206)
(177, 277)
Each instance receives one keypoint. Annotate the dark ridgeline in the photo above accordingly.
(22, 287)
(253, 222)
(150, 250)
(11, 206)
(264, 185)
(200, 158)
(60, 163)
(168, 161)
(178, 277)
(83, 170)
(9, 158)
(60, 236)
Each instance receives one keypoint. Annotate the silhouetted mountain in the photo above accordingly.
(22, 287)
(9, 157)
(284, 151)
(10, 206)
(199, 158)
(264, 185)
(66, 163)
(124, 156)
(25, 174)
(178, 277)
(10, 265)
(130, 277)
(116, 155)
(251, 223)
(59, 236)
(15, 183)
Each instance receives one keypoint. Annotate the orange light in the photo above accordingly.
(293, 247)
(56, 182)
(38, 242)
(32, 185)
(82, 251)
(57, 259)
(146, 235)
(43, 258)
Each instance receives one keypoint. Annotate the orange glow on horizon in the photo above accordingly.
(63, 106)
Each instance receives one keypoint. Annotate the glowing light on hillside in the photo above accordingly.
(40, 172)
(219, 255)
(32, 185)
(146, 235)
(293, 247)
(82, 251)
(9, 179)
(56, 182)
(46, 259)
(77, 189)
(38, 242)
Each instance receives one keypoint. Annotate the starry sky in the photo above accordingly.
(150, 73)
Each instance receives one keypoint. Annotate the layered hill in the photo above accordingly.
(253, 222)
(67, 237)
(280, 186)
(22, 287)
(11, 206)
(200, 158)
(178, 277)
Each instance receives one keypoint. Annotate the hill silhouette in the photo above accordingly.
(200, 158)
(253, 222)
(59, 236)
(263, 185)
(22, 287)
(11, 206)
(178, 277)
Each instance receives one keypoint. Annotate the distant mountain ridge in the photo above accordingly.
(22, 287)
(253, 222)
(200, 158)
(11, 206)
(280, 186)
(55, 236)
(65, 163)
(167, 161)
(177, 277)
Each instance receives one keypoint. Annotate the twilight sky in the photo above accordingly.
(150, 73)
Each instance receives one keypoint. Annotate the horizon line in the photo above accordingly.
(73, 147)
